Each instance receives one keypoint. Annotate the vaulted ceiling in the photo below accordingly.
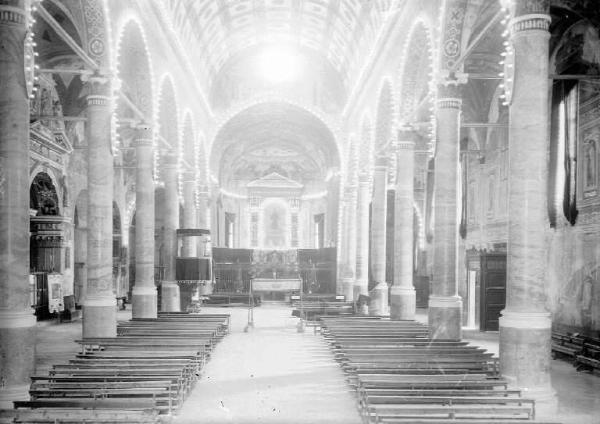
(341, 32)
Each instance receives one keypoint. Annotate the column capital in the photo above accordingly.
(449, 103)
(143, 135)
(363, 177)
(170, 160)
(405, 145)
(12, 16)
(381, 161)
(188, 177)
(99, 88)
(350, 190)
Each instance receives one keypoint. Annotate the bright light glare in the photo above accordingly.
(278, 64)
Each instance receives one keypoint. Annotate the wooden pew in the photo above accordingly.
(402, 376)
(151, 368)
(68, 415)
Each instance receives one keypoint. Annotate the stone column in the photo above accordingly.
(189, 213)
(349, 243)
(202, 207)
(361, 282)
(445, 306)
(170, 290)
(99, 304)
(402, 295)
(379, 294)
(525, 324)
(17, 323)
(143, 294)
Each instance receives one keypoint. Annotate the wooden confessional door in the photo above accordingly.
(493, 289)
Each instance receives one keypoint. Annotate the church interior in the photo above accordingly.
(300, 211)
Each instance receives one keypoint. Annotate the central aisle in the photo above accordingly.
(270, 375)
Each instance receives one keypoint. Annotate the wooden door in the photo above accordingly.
(493, 289)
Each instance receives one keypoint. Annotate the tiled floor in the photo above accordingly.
(275, 375)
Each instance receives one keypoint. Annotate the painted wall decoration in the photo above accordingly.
(275, 222)
(589, 143)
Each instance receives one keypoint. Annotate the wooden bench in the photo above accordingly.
(150, 368)
(78, 415)
(475, 411)
(92, 403)
(403, 376)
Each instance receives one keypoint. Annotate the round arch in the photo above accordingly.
(416, 72)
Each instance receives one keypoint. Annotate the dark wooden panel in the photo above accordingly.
(493, 289)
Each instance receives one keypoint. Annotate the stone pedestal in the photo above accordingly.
(347, 286)
(444, 303)
(525, 324)
(169, 289)
(143, 294)
(379, 304)
(446, 313)
(361, 284)
(17, 323)
(379, 294)
(403, 295)
(99, 304)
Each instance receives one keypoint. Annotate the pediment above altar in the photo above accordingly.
(275, 180)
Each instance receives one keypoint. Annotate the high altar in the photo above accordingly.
(276, 274)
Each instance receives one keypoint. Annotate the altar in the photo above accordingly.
(272, 288)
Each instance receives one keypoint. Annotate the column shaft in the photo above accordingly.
(348, 253)
(379, 294)
(99, 305)
(402, 296)
(525, 324)
(17, 323)
(144, 296)
(444, 303)
(170, 290)
(361, 284)
(189, 215)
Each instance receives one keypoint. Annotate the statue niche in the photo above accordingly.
(43, 197)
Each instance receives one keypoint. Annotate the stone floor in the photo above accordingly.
(273, 374)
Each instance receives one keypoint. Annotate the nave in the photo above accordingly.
(273, 374)
(394, 155)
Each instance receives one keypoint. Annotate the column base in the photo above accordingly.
(378, 306)
(525, 357)
(360, 287)
(144, 303)
(170, 300)
(403, 303)
(17, 350)
(445, 316)
(348, 288)
(99, 316)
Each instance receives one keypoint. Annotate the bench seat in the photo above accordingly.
(77, 415)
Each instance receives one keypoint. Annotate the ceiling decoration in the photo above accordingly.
(342, 31)
(273, 138)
